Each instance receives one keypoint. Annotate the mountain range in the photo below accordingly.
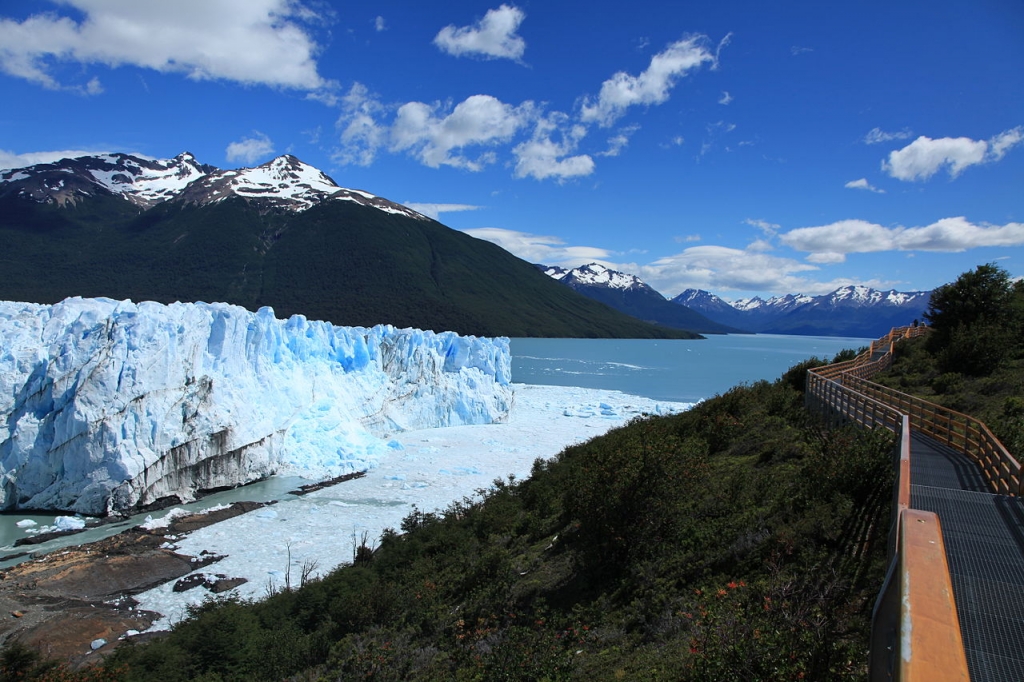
(631, 295)
(282, 234)
(857, 311)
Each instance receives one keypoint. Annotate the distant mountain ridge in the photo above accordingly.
(282, 234)
(848, 311)
(631, 295)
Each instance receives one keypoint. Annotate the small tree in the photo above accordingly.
(975, 320)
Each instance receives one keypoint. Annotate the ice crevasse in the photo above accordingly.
(107, 405)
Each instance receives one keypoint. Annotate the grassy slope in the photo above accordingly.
(735, 541)
(339, 261)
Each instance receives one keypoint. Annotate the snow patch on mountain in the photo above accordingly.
(282, 183)
(141, 180)
(105, 405)
(595, 274)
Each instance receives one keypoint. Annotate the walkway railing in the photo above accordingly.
(917, 588)
(957, 430)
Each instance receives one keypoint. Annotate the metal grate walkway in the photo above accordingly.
(984, 538)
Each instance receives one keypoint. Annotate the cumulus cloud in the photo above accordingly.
(10, 160)
(249, 150)
(542, 156)
(830, 243)
(379, 24)
(247, 41)
(493, 37)
(435, 137)
(622, 90)
(435, 210)
(877, 136)
(863, 184)
(546, 250)
(924, 157)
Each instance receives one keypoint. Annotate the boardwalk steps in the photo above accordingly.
(952, 607)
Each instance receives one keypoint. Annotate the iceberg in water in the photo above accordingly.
(106, 405)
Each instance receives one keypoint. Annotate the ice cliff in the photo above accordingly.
(106, 405)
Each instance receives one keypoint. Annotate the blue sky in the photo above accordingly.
(740, 147)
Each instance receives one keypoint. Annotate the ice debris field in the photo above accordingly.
(429, 469)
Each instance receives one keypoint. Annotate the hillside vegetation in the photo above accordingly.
(339, 261)
(973, 361)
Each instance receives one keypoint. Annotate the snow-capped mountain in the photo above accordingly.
(140, 180)
(282, 183)
(847, 311)
(629, 294)
(105, 405)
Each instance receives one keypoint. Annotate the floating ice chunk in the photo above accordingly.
(98, 643)
(26, 523)
(68, 523)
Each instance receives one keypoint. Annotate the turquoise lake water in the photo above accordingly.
(684, 371)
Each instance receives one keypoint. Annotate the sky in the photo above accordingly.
(745, 148)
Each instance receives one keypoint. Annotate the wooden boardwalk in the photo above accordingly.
(952, 606)
(984, 538)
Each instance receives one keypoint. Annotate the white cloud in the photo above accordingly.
(797, 50)
(546, 250)
(435, 210)
(361, 135)
(542, 157)
(249, 150)
(247, 41)
(493, 37)
(617, 143)
(924, 157)
(622, 90)
(9, 159)
(830, 243)
(877, 136)
(863, 184)
(379, 24)
(768, 228)
(720, 268)
(426, 132)
(725, 98)
(715, 268)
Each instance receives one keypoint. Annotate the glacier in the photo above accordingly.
(109, 405)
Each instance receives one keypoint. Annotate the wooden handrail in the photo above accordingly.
(957, 430)
(915, 629)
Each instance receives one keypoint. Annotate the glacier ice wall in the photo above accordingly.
(106, 405)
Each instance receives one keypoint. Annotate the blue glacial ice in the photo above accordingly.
(105, 405)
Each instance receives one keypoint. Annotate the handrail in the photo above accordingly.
(915, 632)
(917, 588)
(957, 430)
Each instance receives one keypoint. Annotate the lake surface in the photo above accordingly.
(675, 370)
(678, 370)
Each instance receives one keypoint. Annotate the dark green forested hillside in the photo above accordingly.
(338, 261)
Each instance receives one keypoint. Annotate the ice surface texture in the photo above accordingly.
(105, 405)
